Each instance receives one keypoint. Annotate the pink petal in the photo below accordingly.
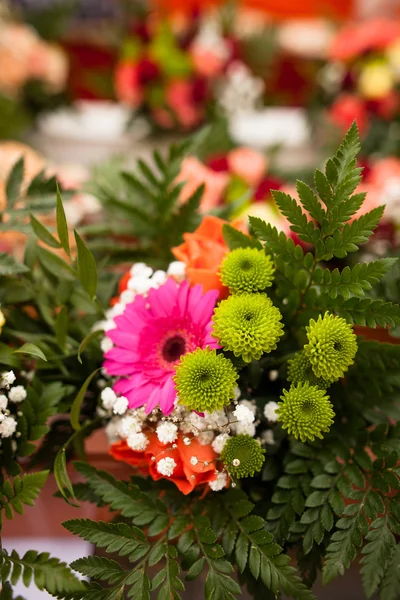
(203, 311)
(117, 368)
(183, 297)
(163, 299)
(153, 400)
(168, 396)
(125, 339)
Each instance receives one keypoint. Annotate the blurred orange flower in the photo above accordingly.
(355, 39)
(248, 164)
(203, 251)
(185, 476)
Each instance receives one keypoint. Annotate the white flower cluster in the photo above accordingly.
(142, 280)
(13, 396)
(241, 92)
(182, 426)
(111, 402)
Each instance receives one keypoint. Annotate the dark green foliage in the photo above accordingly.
(168, 517)
(47, 573)
(143, 207)
(21, 490)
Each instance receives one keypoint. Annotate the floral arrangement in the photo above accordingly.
(177, 75)
(33, 76)
(258, 428)
(361, 81)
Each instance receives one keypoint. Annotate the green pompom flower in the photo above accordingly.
(205, 380)
(331, 347)
(305, 412)
(242, 456)
(247, 270)
(248, 325)
(300, 370)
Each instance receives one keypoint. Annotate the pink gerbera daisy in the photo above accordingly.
(150, 338)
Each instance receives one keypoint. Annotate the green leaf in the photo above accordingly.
(237, 239)
(368, 312)
(48, 573)
(242, 548)
(43, 233)
(391, 581)
(55, 264)
(77, 403)
(352, 281)
(22, 490)
(347, 176)
(99, 568)
(9, 266)
(288, 206)
(32, 350)
(310, 201)
(114, 537)
(195, 569)
(352, 235)
(14, 182)
(377, 553)
(62, 479)
(345, 541)
(265, 558)
(129, 500)
(87, 341)
(87, 269)
(61, 328)
(62, 226)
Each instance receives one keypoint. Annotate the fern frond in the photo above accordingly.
(299, 223)
(21, 490)
(351, 236)
(114, 537)
(377, 554)
(353, 281)
(255, 547)
(368, 312)
(48, 573)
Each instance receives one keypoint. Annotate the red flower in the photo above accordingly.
(265, 186)
(346, 109)
(148, 71)
(218, 163)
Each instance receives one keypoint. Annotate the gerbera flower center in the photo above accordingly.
(173, 348)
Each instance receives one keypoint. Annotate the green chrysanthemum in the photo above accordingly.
(205, 380)
(248, 325)
(331, 347)
(247, 270)
(305, 412)
(243, 456)
(300, 370)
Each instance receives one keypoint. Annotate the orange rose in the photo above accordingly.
(203, 251)
(185, 476)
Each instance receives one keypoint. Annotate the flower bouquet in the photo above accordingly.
(176, 74)
(361, 81)
(259, 431)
